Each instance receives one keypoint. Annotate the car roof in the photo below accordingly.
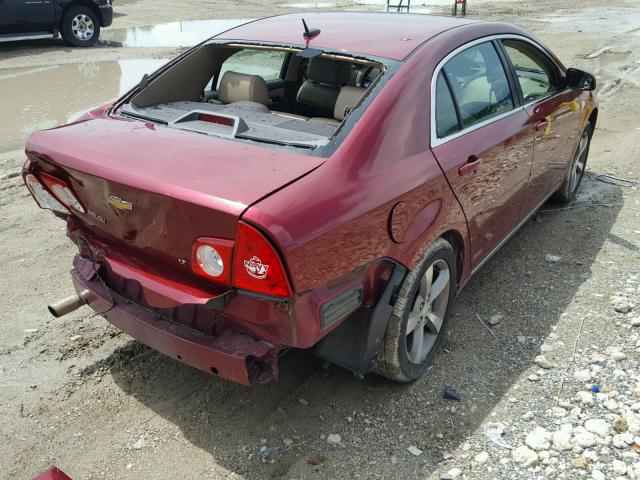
(390, 35)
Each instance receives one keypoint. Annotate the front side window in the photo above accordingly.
(534, 71)
(479, 84)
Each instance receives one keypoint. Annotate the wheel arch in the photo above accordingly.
(455, 239)
(593, 118)
(85, 3)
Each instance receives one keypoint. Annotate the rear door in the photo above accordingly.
(483, 141)
(23, 16)
(554, 112)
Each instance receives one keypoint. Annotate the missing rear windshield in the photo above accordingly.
(258, 93)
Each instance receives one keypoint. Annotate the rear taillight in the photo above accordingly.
(211, 258)
(42, 197)
(62, 192)
(257, 266)
(250, 263)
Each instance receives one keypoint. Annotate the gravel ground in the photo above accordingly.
(541, 327)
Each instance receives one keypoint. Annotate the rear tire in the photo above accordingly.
(420, 315)
(80, 26)
(567, 191)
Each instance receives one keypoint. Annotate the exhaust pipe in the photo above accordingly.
(68, 304)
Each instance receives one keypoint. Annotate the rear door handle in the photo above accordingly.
(470, 167)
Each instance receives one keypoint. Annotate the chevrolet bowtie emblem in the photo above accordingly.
(118, 203)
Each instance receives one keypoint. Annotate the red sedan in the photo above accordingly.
(328, 184)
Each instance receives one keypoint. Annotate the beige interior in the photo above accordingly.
(242, 87)
(327, 85)
(185, 81)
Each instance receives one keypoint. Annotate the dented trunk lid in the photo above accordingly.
(157, 189)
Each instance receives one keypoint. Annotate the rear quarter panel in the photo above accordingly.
(338, 218)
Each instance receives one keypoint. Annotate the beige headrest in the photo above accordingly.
(239, 87)
(347, 99)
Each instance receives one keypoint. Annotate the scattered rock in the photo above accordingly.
(620, 425)
(546, 348)
(582, 375)
(610, 404)
(561, 440)
(619, 467)
(415, 451)
(450, 394)
(597, 426)
(616, 354)
(482, 458)
(302, 401)
(524, 457)
(140, 444)
(621, 304)
(316, 459)
(552, 258)
(584, 439)
(579, 462)
(267, 454)
(635, 322)
(495, 319)
(543, 362)
(287, 442)
(598, 475)
(538, 439)
(533, 378)
(451, 474)
(585, 397)
(334, 439)
(31, 330)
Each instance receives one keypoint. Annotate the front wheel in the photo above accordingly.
(567, 191)
(420, 315)
(80, 26)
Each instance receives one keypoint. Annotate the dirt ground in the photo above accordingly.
(77, 393)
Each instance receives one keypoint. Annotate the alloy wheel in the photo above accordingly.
(82, 27)
(577, 170)
(428, 311)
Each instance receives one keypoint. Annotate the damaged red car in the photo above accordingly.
(327, 185)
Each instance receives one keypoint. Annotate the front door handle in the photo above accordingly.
(470, 167)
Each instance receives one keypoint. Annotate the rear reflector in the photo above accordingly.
(42, 197)
(257, 266)
(62, 192)
(211, 258)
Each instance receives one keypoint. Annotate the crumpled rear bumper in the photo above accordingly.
(231, 355)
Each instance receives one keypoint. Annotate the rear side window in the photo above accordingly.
(535, 73)
(479, 84)
(446, 117)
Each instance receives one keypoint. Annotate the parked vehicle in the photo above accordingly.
(257, 193)
(78, 21)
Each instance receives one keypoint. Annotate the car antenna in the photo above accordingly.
(309, 34)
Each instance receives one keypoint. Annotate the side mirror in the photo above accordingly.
(576, 79)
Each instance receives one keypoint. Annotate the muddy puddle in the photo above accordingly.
(173, 34)
(308, 5)
(44, 97)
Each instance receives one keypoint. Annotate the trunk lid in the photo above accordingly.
(157, 189)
